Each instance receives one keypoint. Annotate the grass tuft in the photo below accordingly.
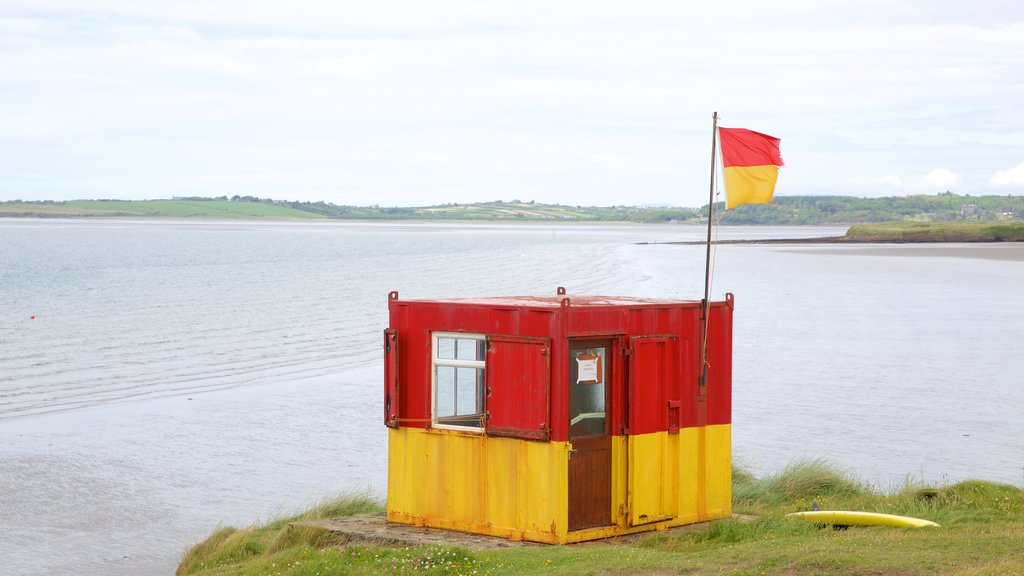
(229, 546)
(796, 486)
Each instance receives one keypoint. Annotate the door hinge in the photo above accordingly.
(623, 510)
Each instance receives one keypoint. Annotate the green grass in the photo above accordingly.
(937, 232)
(982, 533)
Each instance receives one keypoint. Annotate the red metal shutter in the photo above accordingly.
(518, 386)
(391, 378)
(653, 385)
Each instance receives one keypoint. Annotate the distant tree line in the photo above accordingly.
(792, 210)
(945, 207)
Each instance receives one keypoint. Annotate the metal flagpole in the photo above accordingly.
(704, 304)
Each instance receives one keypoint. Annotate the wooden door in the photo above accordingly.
(590, 461)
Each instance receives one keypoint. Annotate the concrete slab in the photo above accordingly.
(375, 529)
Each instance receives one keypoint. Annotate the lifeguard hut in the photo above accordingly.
(557, 418)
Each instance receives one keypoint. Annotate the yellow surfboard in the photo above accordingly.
(850, 518)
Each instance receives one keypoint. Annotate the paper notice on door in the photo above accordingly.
(587, 370)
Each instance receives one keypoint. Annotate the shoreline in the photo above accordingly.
(1004, 250)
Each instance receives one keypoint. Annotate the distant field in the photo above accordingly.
(155, 208)
(45, 210)
(493, 211)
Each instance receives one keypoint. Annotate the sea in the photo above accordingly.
(161, 378)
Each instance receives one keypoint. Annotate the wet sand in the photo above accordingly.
(843, 246)
(1011, 251)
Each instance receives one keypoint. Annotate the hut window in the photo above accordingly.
(458, 379)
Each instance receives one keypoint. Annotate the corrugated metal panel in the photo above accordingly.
(472, 481)
(719, 389)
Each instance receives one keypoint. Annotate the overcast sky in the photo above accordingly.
(417, 103)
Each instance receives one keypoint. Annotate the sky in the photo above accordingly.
(411, 103)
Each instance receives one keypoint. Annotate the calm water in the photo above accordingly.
(178, 375)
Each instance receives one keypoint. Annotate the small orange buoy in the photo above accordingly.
(31, 317)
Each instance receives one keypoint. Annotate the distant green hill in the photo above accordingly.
(784, 210)
(250, 207)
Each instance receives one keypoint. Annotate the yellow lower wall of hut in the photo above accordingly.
(518, 489)
(500, 486)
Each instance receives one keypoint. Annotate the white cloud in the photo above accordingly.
(936, 180)
(888, 181)
(1009, 177)
(939, 178)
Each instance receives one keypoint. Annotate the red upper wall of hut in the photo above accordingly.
(528, 390)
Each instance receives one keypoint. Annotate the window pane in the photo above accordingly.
(459, 390)
(470, 349)
(444, 399)
(469, 391)
(446, 348)
(587, 392)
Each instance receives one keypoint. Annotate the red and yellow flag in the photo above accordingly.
(751, 163)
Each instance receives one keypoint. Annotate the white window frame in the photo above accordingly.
(435, 362)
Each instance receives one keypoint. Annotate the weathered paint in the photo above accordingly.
(504, 486)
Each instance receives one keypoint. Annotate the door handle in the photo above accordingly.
(571, 452)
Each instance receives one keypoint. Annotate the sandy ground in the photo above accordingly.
(1013, 251)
